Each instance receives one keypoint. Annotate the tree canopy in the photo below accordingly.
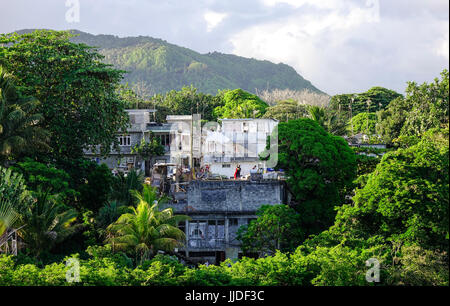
(406, 198)
(240, 104)
(320, 168)
(76, 90)
(363, 123)
(425, 107)
(286, 110)
(276, 228)
(374, 99)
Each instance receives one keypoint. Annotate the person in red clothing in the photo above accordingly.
(237, 173)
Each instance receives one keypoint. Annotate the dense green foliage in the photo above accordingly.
(320, 168)
(376, 98)
(45, 177)
(332, 121)
(8, 216)
(19, 122)
(162, 67)
(405, 199)
(147, 228)
(76, 90)
(276, 228)
(425, 107)
(286, 110)
(240, 104)
(47, 222)
(123, 185)
(363, 123)
(13, 190)
(148, 150)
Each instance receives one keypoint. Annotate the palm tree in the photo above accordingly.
(123, 185)
(147, 228)
(47, 222)
(7, 216)
(317, 114)
(328, 119)
(19, 124)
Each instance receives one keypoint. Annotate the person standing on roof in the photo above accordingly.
(237, 173)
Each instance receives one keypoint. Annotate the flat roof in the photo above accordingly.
(140, 110)
(247, 119)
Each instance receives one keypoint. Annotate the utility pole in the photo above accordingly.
(368, 110)
(192, 143)
(351, 114)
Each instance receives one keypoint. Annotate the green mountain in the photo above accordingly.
(159, 66)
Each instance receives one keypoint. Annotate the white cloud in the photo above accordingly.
(442, 48)
(339, 45)
(299, 3)
(350, 48)
(213, 19)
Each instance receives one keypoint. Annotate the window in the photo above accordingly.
(197, 233)
(226, 166)
(125, 140)
(233, 222)
(164, 139)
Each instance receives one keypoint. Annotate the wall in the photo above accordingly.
(231, 196)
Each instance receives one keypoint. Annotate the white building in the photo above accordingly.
(222, 147)
(235, 142)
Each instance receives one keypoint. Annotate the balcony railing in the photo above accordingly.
(201, 243)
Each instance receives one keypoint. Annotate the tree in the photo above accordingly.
(47, 222)
(46, 177)
(147, 229)
(376, 98)
(317, 114)
(109, 213)
(186, 101)
(13, 190)
(7, 216)
(392, 119)
(240, 104)
(148, 150)
(302, 97)
(406, 198)
(94, 192)
(286, 110)
(276, 228)
(363, 123)
(123, 185)
(429, 106)
(329, 119)
(91, 181)
(320, 168)
(425, 107)
(19, 121)
(76, 90)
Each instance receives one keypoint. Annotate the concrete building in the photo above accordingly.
(218, 209)
(236, 142)
(124, 159)
(219, 146)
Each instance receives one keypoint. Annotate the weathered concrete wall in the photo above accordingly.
(233, 196)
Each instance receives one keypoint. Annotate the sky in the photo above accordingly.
(341, 46)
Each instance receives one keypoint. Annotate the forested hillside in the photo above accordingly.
(158, 66)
